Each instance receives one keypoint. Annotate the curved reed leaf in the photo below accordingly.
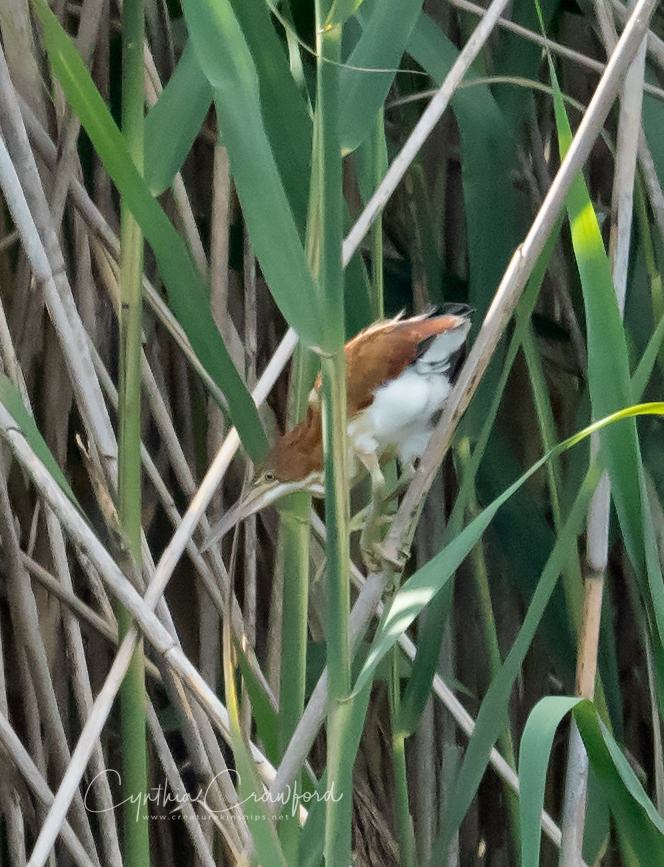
(608, 362)
(225, 58)
(634, 813)
(534, 753)
(174, 122)
(288, 124)
(363, 88)
(609, 381)
(421, 587)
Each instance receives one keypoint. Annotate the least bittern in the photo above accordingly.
(398, 374)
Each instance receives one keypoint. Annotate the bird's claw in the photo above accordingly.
(361, 519)
(371, 559)
(395, 558)
(378, 555)
(371, 536)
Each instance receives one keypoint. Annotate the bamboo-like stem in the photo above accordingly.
(250, 527)
(132, 693)
(294, 538)
(326, 222)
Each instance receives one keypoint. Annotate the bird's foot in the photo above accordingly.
(360, 519)
(371, 559)
(378, 556)
(371, 537)
(389, 555)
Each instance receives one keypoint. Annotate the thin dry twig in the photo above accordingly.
(140, 609)
(41, 244)
(21, 758)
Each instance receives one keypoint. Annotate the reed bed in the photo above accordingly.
(202, 202)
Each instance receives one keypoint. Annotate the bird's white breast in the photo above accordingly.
(399, 418)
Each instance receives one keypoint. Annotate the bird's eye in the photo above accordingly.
(268, 476)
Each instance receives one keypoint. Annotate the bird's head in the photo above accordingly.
(294, 464)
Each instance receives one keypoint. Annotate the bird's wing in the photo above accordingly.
(383, 352)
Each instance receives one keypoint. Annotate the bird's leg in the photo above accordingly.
(371, 533)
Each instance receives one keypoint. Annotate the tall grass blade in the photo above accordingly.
(288, 123)
(174, 121)
(370, 68)
(225, 58)
(608, 363)
(634, 813)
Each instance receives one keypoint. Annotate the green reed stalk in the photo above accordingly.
(404, 822)
(294, 535)
(132, 694)
(327, 215)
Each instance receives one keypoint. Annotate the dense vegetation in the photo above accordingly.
(197, 207)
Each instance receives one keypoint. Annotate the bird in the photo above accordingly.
(399, 373)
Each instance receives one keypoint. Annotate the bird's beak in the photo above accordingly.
(257, 498)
